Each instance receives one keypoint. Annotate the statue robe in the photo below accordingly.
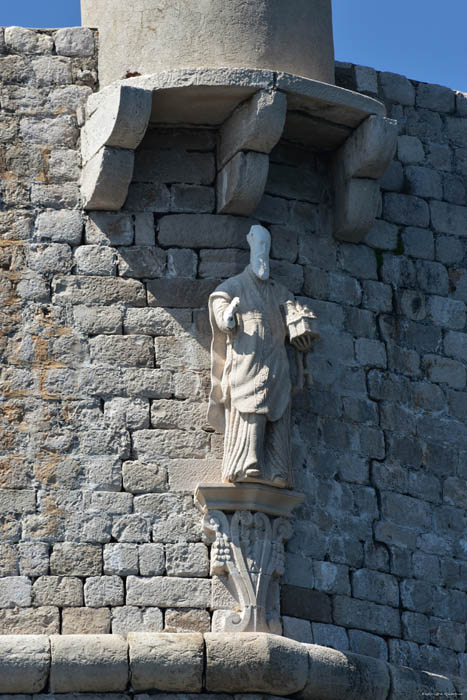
(251, 388)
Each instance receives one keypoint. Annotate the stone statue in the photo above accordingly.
(251, 318)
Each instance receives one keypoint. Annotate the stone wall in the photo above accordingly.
(104, 368)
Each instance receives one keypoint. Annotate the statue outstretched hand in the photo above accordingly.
(229, 313)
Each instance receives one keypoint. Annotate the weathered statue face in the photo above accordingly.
(259, 240)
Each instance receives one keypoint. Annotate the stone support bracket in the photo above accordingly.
(117, 121)
(212, 663)
(252, 110)
(248, 526)
(245, 140)
(358, 164)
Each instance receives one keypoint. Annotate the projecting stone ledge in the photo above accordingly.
(217, 663)
(252, 109)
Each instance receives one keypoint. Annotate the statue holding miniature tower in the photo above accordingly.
(251, 318)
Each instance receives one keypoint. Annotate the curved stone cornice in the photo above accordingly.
(253, 109)
(213, 663)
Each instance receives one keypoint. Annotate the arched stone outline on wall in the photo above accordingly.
(253, 109)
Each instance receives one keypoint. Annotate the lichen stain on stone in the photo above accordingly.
(45, 155)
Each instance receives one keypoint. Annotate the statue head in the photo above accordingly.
(259, 240)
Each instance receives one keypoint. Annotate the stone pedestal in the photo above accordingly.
(248, 526)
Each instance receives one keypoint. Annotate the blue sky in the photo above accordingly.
(422, 39)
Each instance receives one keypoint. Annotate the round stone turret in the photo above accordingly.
(149, 36)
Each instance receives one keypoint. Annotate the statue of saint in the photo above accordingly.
(251, 318)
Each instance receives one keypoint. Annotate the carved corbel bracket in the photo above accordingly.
(118, 118)
(357, 165)
(247, 525)
(246, 138)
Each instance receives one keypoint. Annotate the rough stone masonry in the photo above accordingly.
(104, 371)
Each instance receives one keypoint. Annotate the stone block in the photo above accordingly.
(95, 260)
(330, 636)
(442, 370)
(418, 242)
(396, 88)
(410, 150)
(123, 413)
(51, 71)
(174, 166)
(406, 682)
(60, 226)
(98, 290)
(102, 591)
(126, 351)
(25, 621)
(180, 293)
(105, 179)
(424, 182)
(380, 619)
(27, 41)
(71, 559)
(153, 198)
(186, 474)
(375, 586)
(56, 590)
(305, 604)
(145, 234)
(407, 210)
(85, 621)
(33, 558)
(151, 559)
(49, 258)
(15, 592)
(366, 80)
(220, 264)
(435, 97)
(187, 560)
(168, 662)
(143, 478)
(127, 619)
(157, 322)
(131, 528)
(344, 289)
(74, 41)
(24, 663)
(256, 125)
(141, 262)
(168, 592)
(454, 190)
(370, 353)
(109, 229)
(455, 345)
(187, 620)
(182, 262)
(120, 559)
(368, 644)
(255, 663)
(449, 218)
(335, 675)
(241, 183)
(331, 578)
(377, 296)
(204, 231)
(88, 664)
(192, 199)
(296, 629)
(96, 320)
(151, 445)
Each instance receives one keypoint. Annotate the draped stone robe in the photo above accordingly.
(251, 387)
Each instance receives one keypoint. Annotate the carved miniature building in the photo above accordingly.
(122, 209)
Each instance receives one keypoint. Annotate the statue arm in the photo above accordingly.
(224, 313)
